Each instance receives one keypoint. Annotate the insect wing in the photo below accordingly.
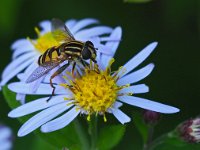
(60, 31)
(41, 70)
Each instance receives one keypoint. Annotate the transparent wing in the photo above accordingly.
(42, 70)
(60, 31)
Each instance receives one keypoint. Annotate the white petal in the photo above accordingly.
(117, 104)
(60, 122)
(148, 104)
(36, 105)
(16, 71)
(43, 89)
(104, 50)
(5, 133)
(19, 43)
(21, 97)
(91, 32)
(41, 118)
(112, 45)
(83, 23)
(5, 145)
(122, 117)
(135, 89)
(46, 26)
(15, 63)
(139, 58)
(19, 52)
(70, 23)
(136, 76)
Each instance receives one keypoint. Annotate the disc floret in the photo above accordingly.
(96, 90)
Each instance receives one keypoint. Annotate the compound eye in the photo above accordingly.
(86, 54)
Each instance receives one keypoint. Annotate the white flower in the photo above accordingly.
(93, 91)
(26, 51)
(5, 138)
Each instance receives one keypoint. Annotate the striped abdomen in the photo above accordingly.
(72, 48)
(48, 55)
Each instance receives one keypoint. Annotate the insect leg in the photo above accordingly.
(60, 70)
(73, 67)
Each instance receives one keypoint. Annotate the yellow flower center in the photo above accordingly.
(44, 41)
(95, 91)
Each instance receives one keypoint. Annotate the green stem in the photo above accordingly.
(149, 137)
(82, 135)
(161, 139)
(93, 132)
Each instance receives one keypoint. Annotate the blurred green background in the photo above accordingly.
(175, 24)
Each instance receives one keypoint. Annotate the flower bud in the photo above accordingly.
(151, 117)
(189, 130)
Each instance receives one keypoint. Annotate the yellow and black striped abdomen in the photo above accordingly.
(49, 55)
(72, 48)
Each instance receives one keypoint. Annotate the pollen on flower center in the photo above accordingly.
(44, 41)
(95, 91)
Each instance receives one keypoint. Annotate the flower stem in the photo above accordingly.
(93, 132)
(149, 137)
(82, 135)
(158, 141)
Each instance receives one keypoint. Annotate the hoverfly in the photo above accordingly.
(70, 49)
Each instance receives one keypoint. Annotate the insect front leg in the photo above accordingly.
(59, 71)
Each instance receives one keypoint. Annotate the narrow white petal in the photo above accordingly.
(70, 23)
(116, 35)
(16, 71)
(104, 50)
(36, 105)
(19, 43)
(91, 32)
(139, 58)
(5, 133)
(46, 26)
(60, 122)
(148, 104)
(112, 44)
(117, 104)
(5, 145)
(135, 89)
(35, 84)
(21, 97)
(43, 89)
(121, 117)
(15, 63)
(107, 39)
(137, 75)
(41, 118)
(82, 24)
(19, 52)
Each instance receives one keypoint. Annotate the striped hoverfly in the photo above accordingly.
(69, 50)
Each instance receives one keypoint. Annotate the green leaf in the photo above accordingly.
(140, 125)
(67, 137)
(110, 136)
(171, 141)
(137, 1)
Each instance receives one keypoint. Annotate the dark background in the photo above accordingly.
(175, 24)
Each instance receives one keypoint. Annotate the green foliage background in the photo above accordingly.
(175, 24)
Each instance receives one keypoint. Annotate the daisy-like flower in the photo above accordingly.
(27, 51)
(5, 138)
(94, 90)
